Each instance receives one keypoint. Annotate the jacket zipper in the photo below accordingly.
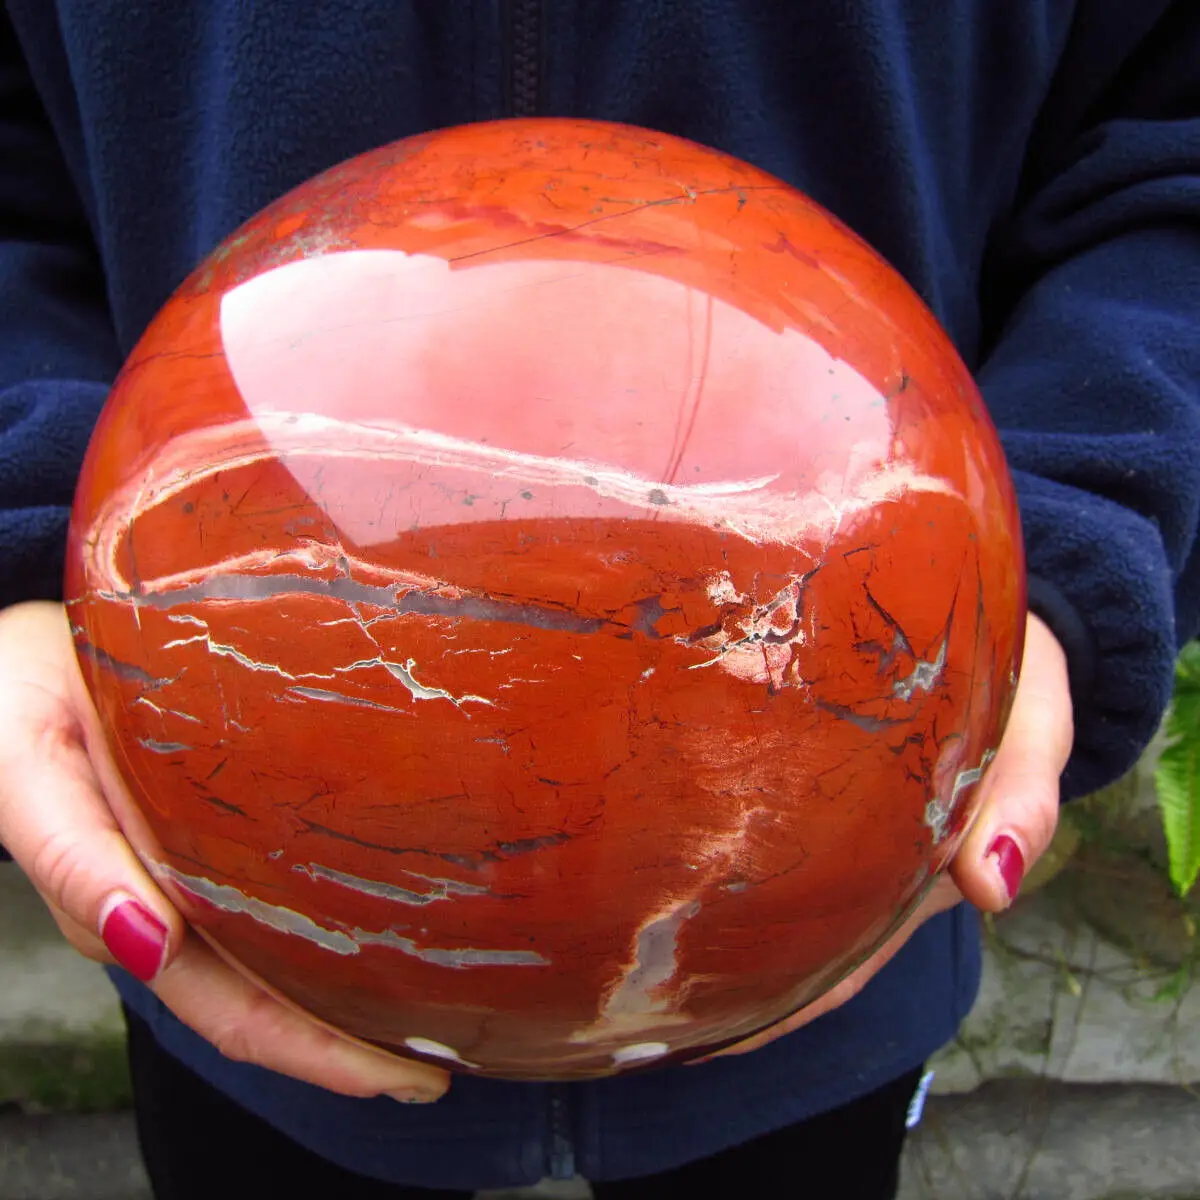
(524, 44)
(561, 1159)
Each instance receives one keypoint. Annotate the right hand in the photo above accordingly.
(58, 826)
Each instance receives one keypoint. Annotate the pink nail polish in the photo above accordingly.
(135, 937)
(1010, 862)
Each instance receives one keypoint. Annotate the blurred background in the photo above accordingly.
(1077, 1076)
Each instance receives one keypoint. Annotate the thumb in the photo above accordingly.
(1019, 810)
(54, 817)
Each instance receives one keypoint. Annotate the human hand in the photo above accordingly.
(58, 825)
(1015, 822)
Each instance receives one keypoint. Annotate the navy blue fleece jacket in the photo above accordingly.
(1031, 166)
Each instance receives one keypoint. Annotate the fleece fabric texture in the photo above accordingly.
(1031, 166)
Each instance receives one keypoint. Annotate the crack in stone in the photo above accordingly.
(167, 712)
(344, 942)
(157, 747)
(402, 673)
(443, 889)
(688, 196)
(900, 638)
(927, 672)
(421, 692)
(222, 650)
(637, 999)
(245, 586)
(862, 720)
(467, 957)
(217, 802)
(924, 675)
(331, 697)
(655, 964)
(114, 666)
(763, 638)
(497, 852)
(938, 812)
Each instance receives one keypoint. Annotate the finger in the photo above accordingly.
(57, 787)
(1019, 810)
(86, 941)
(247, 1024)
(54, 817)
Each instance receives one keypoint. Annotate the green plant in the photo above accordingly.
(1177, 773)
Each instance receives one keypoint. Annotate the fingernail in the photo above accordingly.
(412, 1096)
(1010, 862)
(135, 937)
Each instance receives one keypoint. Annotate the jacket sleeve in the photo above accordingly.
(1093, 291)
(57, 349)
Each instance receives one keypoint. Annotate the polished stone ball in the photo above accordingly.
(551, 593)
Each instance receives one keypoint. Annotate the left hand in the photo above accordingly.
(1017, 817)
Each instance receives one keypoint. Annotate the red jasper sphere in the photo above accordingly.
(551, 592)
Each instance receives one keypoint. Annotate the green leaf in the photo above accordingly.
(1187, 669)
(1175, 986)
(1177, 774)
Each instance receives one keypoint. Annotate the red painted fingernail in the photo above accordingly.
(135, 937)
(1010, 862)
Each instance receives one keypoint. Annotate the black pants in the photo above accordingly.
(197, 1144)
